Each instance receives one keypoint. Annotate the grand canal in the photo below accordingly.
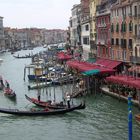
(104, 118)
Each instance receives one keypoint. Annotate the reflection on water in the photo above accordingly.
(103, 118)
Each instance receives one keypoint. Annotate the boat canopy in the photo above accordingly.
(63, 56)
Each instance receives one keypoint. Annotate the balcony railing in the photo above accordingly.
(130, 14)
(102, 25)
(134, 59)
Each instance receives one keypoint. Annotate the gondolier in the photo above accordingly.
(1, 82)
(38, 95)
(68, 99)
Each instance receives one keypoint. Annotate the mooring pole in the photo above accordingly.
(129, 117)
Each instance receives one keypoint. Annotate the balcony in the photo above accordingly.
(136, 36)
(101, 25)
(135, 16)
(130, 15)
(102, 12)
(130, 47)
(134, 59)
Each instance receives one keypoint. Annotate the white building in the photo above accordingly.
(85, 37)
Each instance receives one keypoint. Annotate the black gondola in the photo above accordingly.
(26, 56)
(49, 105)
(9, 93)
(45, 112)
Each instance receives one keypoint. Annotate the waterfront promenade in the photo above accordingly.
(105, 90)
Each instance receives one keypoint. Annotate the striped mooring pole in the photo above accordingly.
(129, 117)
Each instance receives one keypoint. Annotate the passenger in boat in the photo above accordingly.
(68, 99)
(53, 102)
(81, 84)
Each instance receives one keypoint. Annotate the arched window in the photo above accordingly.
(125, 27)
(136, 29)
(117, 27)
(136, 53)
(130, 26)
(122, 27)
(112, 28)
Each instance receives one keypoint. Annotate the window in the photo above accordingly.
(130, 44)
(136, 29)
(117, 27)
(130, 26)
(86, 27)
(122, 27)
(135, 11)
(117, 12)
(86, 40)
(112, 28)
(117, 41)
(121, 42)
(112, 41)
(124, 55)
(130, 10)
(125, 43)
(125, 27)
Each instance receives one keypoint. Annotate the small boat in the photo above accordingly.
(39, 85)
(49, 105)
(34, 112)
(1, 60)
(45, 104)
(26, 56)
(9, 93)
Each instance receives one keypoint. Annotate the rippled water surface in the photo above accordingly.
(104, 118)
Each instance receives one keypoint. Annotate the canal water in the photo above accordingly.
(104, 118)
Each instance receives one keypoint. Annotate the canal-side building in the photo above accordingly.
(93, 4)
(122, 40)
(85, 28)
(75, 27)
(135, 18)
(103, 39)
(2, 40)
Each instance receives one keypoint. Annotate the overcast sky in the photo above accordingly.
(48, 14)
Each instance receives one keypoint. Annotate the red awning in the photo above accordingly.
(63, 56)
(85, 66)
(125, 80)
(108, 63)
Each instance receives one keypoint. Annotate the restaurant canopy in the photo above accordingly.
(108, 63)
(63, 56)
(125, 80)
(88, 68)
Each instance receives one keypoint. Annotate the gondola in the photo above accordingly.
(26, 56)
(9, 93)
(49, 105)
(39, 85)
(44, 112)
